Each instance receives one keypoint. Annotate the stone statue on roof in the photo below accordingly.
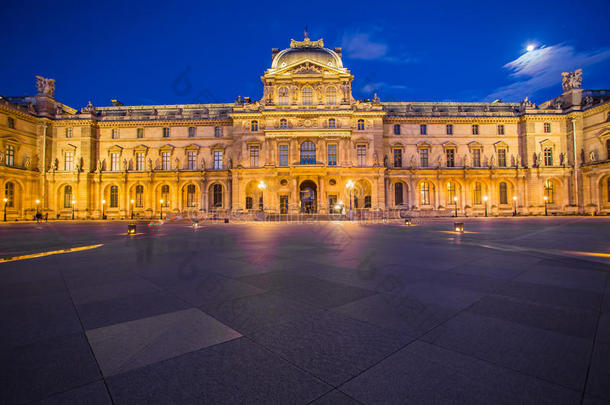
(571, 80)
(45, 86)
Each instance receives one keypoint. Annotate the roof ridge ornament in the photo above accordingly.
(307, 43)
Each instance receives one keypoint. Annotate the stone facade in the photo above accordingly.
(306, 146)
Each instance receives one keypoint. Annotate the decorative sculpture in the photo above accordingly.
(89, 108)
(45, 86)
(571, 80)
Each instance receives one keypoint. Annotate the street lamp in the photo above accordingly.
(485, 199)
(37, 202)
(546, 207)
(73, 204)
(103, 209)
(350, 186)
(161, 215)
(132, 209)
(5, 204)
(455, 203)
(261, 186)
(514, 206)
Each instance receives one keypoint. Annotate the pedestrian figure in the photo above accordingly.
(38, 217)
(46, 217)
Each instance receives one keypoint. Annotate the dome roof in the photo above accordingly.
(306, 50)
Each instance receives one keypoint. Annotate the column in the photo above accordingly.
(322, 198)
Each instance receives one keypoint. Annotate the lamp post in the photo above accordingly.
(132, 209)
(103, 209)
(5, 204)
(485, 199)
(73, 204)
(37, 203)
(261, 186)
(350, 186)
(161, 214)
(514, 206)
(546, 207)
(455, 203)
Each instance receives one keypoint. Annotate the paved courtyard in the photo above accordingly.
(515, 310)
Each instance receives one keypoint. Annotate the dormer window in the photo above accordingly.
(283, 124)
(331, 123)
(307, 96)
(217, 132)
(423, 129)
(500, 129)
(115, 133)
(68, 132)
(254, 126)
(165, 132)
(361, 125)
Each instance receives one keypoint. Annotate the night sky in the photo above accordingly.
(206, 52)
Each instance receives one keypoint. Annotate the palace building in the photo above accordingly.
(306, 146)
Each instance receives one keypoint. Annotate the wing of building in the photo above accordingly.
(306, 146)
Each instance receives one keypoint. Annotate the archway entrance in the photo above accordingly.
(308, 193)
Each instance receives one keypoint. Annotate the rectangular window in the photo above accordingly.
(140, 161)
(423, 129)
(10, 155)
(450, 157)
(548, 157)
(68, 132)
(332, 155)
(449, 129)
(475, 129)
(361, 153)
(283, 155)
(397, 129)
(192, 132)
(114, 162)
(397, 157)
(115, 133)
(68, 161)
(254, 156)
(165, 132)
(547, 127)
(11, 122)
(476, 157)
(140, 133)
(165, 162)
(500, 129)
(218, 160)
(502, 157)
(192, 160)
(218, 132)
(423, 157)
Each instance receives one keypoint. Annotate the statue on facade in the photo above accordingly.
(376, 158)
(582, 156)
(150, 165)
(99, 165)
(55, 164)
(465, 161)
(45, 86)
(491, 161)
(345, 89)
(409, 108)
(571, 80)
(124, 165)
(177, 163)
(157, 163)
(592, 157)
(518, 162)
(588, 100)
(375, 99)
(412, 161)
(89, 108)
(59, 110)
(230, 163)
(239, 100)
(202, 163)
(561, 159)
(439, 161)
(385, 161)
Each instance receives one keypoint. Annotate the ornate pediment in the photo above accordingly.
(307, 68)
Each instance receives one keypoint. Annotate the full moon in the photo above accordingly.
(530, 48)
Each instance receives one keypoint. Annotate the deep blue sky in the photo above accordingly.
(423, 51)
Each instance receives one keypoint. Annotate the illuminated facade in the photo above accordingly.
(301, 146)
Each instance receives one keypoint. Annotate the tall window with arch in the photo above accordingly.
(398, 196)
(114, 197)
(254, 126)
(331, 95)
(503, 193)
(217, 196)
(9, 194)
(283, 123)
(165, 195)
(190, 196)
(308, 153)
(67, 196)
(549, 192)
(283, 96)
(548, 156)
(424, 189)
(477, 190)
(307, 96)
(139, 200)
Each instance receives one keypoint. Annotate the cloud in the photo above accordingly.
(377, 86)
(542, 67)
(361, 46)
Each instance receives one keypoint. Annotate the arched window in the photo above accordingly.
(283, 123)
(190, 195)
(398, 200)
(549, 192)
(332, 123)
(283, 96)
(217, 196)
(254, 126)
(114, 197)
(139, 196)
(450, 192)
(9, 194)
(308, 153)
(67, 196)
(165, 195)
(307, 96)
(360, 125)
(424, 189)
(503, 193)
(477, 193)
(331, 95)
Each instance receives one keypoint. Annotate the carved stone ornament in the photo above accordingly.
(45, 86)
(89, 108)
(571, 80)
